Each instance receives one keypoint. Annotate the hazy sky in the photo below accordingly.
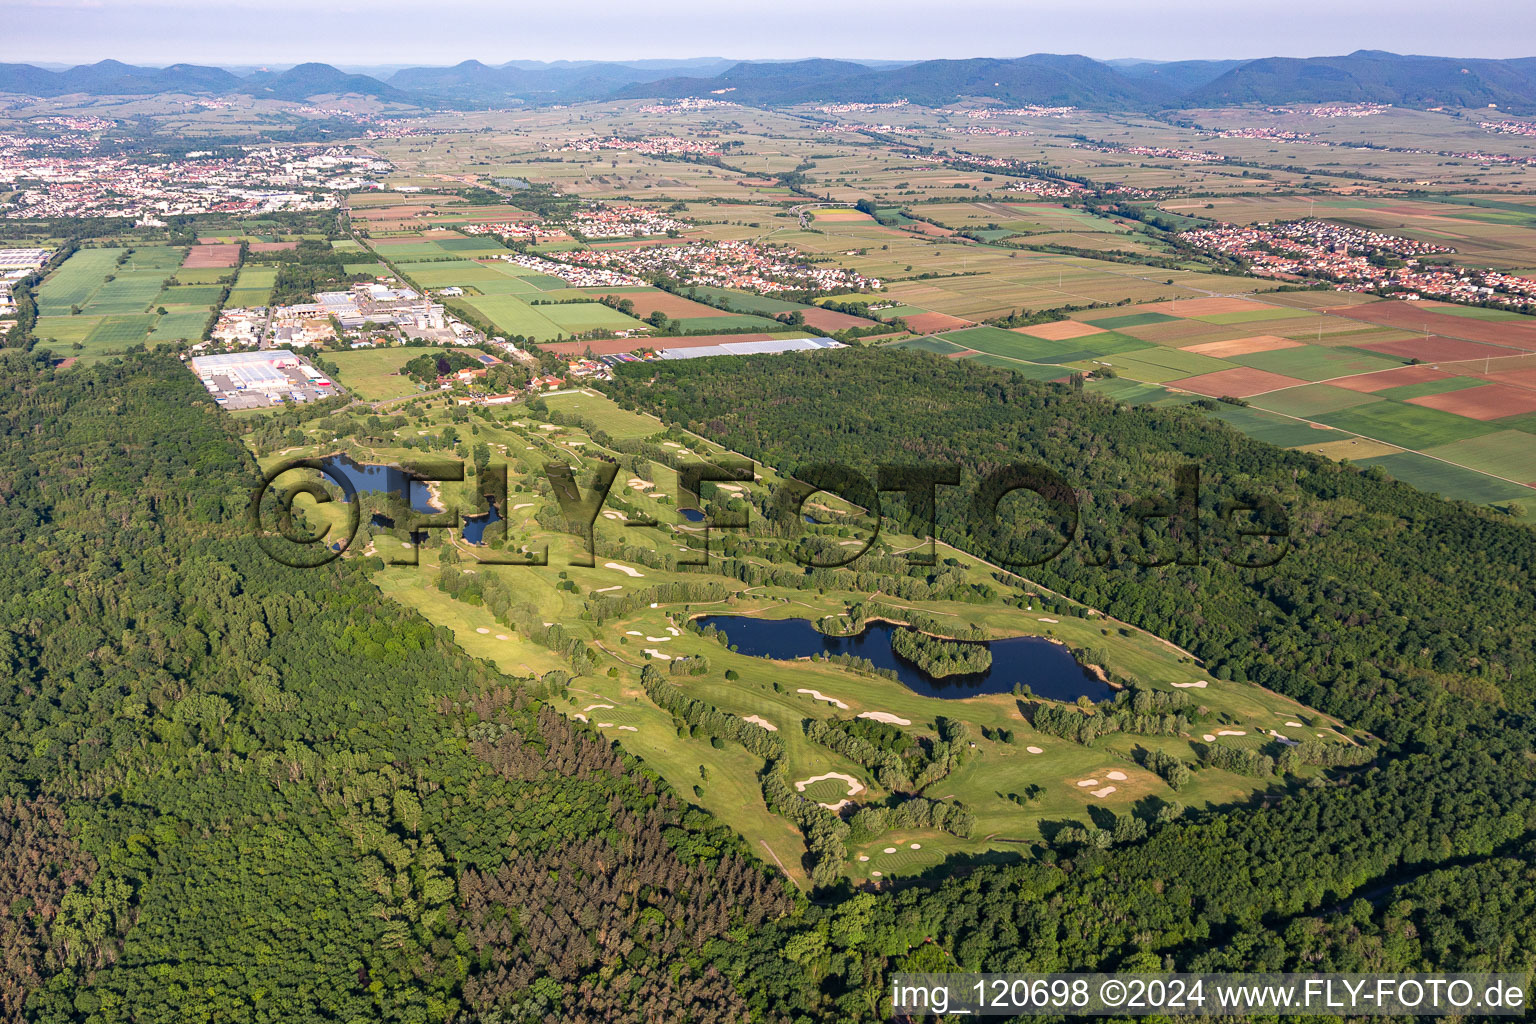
(364, 32)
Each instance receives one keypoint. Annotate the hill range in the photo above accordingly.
(1365, 76)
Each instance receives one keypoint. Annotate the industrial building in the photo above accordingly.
(252, 380)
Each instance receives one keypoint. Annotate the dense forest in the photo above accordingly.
(1407, 616)
(235, 791)
(231, 790)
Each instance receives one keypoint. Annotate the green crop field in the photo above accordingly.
(116, 333)
(580, 317)
(127, 292)
(190, 295)
(933, 343)
(1510, 454)
(1273, 429)
(729, 322)
(76, 281)
(1034, 371)
(1449, 481)
(514, 316)
(156, 257)
(1407, 426)
(180, 326)
(60, 332)
(1312, 399)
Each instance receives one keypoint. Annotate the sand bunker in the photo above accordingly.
(1085, 783)
(633, 632)
(1198, 686)
(821, 696)
(605, 590)
(1230, 732)
(1102, 793)
(889, 849)
(594, 707)
(886, 717)
(1115, 776)
(653, 652)
(502, 636)
(875, 874)
(760, 720)
(1294, 725)
(643, 485)
(658, 639)
(855, 787)
(481, 629)
(605, 725)
(916, 846)
(526, 504)
(580, 717)
(1050, 620)
(626, 570)
(1034, 750)
(863, 858)
(1208, 738)
(548, 426)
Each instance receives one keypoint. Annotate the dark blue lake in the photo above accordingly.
(1047, 668)
(383, 478)
(474, 526)
(693, 515)
(380, 479)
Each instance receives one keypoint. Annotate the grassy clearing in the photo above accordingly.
(370, 373)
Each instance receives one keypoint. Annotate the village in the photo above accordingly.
(757, 268)
(63, 179)
(1360, 260)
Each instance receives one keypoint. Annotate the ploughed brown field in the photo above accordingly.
(1437, 349)
(832, 320)
(675, 306)
(933, 323)
(1397, 313)
(1239, 382)
(1061, 330)
(1242, 346)
(1488, 402)
(218, 255)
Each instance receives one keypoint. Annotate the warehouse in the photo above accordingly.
(253, 380)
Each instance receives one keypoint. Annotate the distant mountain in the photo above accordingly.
(1042, 78)
(307, 80)
(1373, 76)
(1048, 79)
(114, 78)
(1180, 76)
(475, 84)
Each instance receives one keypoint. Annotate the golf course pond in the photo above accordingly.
(1046, 667)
